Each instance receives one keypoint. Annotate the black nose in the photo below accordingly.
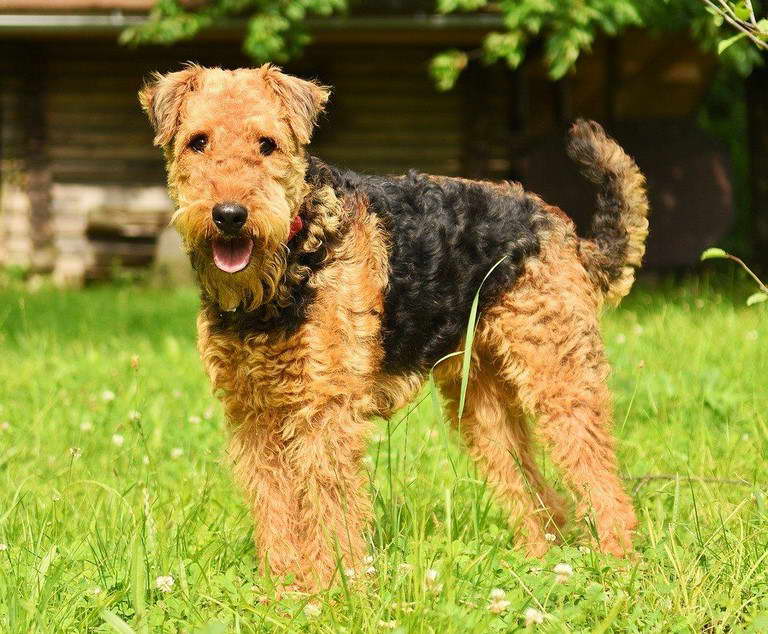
(229, 217)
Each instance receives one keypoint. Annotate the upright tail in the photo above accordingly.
(615, 245)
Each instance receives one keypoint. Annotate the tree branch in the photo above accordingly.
(750, 29)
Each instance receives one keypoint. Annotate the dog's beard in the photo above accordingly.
(250, 288)
(228, 277)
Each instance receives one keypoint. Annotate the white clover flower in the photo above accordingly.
(75, 452)
(388, 625)
(107, 396)
(405, 568)
(5, 426)
(145, 459)
(430, 579)
(311, 610)
(177, 452)
(621, 339)
(86, 425)
(638, 329)
(134, 416)
(164, 583)
(194, 420)
(350, 573)
(497, 607)
(497, 594)
(3, 547)
(95, 591)
(370, 570)
(368, 560)
(563, 572)
(498, 602)
(533, 617)
(550, 537)
(208, 413)
(585, 550)
(117, 439)
(56, 496)
(751, 335)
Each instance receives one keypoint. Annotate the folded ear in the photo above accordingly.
(161, 99)
(302, 100)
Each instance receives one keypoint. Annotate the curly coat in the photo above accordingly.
(356, 286)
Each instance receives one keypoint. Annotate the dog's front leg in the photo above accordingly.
(332, 503)
(268, 481)
(307, 493)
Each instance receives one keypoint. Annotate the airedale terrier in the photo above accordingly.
(327, 296)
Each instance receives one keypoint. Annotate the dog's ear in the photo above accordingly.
(302, 100)
(161, 99)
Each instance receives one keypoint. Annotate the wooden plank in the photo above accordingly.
(33, 69)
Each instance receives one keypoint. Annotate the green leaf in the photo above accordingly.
(713, 253)
(116, 622)
(757, 298)
(741, 11)
(446, 66)
(722, 45)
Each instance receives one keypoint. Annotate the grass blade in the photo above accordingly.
(139, 585)
(467, 357)
(116, 622)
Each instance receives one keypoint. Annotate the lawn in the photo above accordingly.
(117, 512)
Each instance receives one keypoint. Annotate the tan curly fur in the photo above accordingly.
(300, 401)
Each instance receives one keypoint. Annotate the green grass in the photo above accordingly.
(90, 524)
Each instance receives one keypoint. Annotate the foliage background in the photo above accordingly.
(277, 30)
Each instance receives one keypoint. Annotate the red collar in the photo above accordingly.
(296, 225)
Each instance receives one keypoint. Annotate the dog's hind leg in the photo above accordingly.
(498, 439)
(545, 342)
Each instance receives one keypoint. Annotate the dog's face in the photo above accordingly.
(233, 142)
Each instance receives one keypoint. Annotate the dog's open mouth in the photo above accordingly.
(233, 254)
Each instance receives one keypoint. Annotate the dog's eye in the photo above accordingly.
(198, 142)
(267, 145)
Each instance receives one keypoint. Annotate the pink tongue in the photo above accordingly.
(233, 255)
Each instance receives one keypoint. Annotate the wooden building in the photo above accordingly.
(83, 188)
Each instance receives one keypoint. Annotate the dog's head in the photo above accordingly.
(234, 144)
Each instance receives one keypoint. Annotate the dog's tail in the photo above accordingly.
(615, 245)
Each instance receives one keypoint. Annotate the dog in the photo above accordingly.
(328, 296)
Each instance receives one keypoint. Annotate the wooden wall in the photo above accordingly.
(106, 197)
(384, 116)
